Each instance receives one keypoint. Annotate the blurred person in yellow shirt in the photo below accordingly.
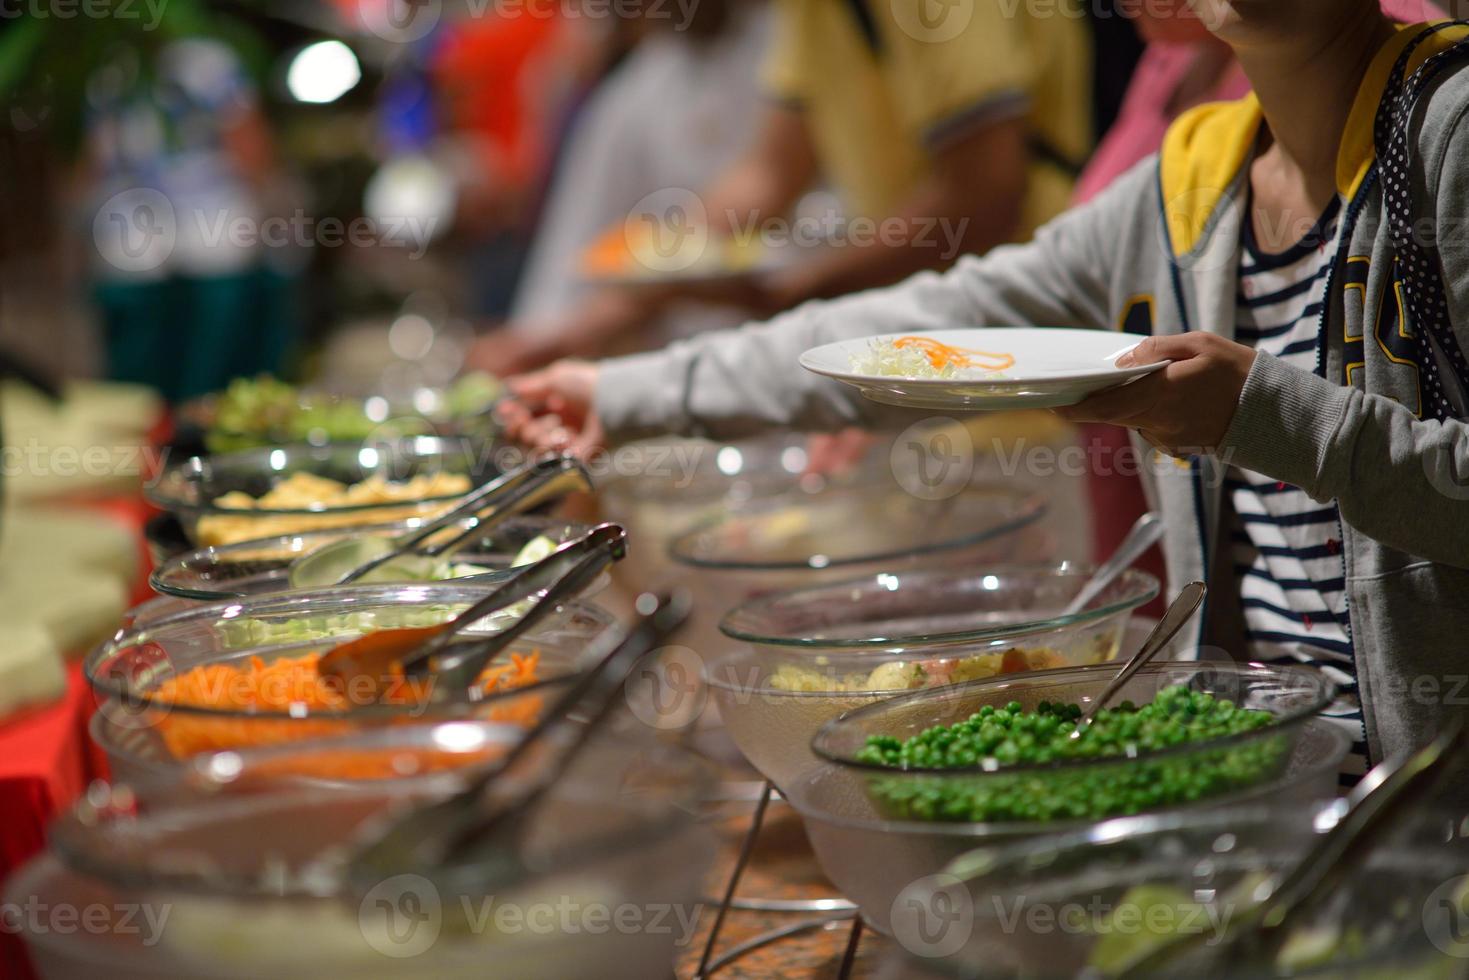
(942, 129)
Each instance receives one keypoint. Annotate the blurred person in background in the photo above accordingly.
(1182, 66)
(953, 135)
(502, 82)
(178, 160)
(702, 77)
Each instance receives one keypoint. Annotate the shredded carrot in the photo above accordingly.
(943, 355)
(294, 685)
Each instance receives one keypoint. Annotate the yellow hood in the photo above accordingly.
(1206, 146)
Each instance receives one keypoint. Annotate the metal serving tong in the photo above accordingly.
(1387, 793)
(513, 493)
(367, 663)
(477, 831)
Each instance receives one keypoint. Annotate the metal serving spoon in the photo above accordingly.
(1384, 795)
(367, 663)
(1144, 534)
(1179, 612)
(349, 559)
(476, 832)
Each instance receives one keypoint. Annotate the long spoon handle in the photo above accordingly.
(1179, 612)
(1144, 534)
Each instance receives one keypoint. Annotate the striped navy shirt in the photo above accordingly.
(1287, 547)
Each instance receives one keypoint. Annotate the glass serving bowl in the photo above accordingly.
(191, 489)
(874, 860)
(1397, 915)
(678, 484)
(841, 532)
(143, 729)
(1092, 787)
(241, 881)
(412, 757)
(261, 566)
(817, 652)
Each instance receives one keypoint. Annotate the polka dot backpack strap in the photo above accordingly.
(1417, 261)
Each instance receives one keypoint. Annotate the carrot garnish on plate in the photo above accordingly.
(942, 355)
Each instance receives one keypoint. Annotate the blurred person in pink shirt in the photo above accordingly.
(1183, 66)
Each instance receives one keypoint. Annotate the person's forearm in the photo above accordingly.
(602, 319)
(768, 179)
(749, 191)
(738, 381)
(1402, 481)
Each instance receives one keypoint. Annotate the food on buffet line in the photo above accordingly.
(64, 579)
(403, 568)
(264, 411)
(912, 675)
(925, 357)
(291, 685)
(307, 491)
(993, 739)
(628, 251)
(95, 438)
(31, 668)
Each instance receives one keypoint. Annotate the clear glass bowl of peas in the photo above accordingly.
(1000, 751)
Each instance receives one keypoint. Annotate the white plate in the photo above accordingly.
(1053, 367)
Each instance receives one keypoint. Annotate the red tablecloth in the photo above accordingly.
(46, 758)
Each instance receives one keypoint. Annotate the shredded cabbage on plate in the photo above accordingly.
(885, 359)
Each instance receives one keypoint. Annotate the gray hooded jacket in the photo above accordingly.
(1158, 252)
